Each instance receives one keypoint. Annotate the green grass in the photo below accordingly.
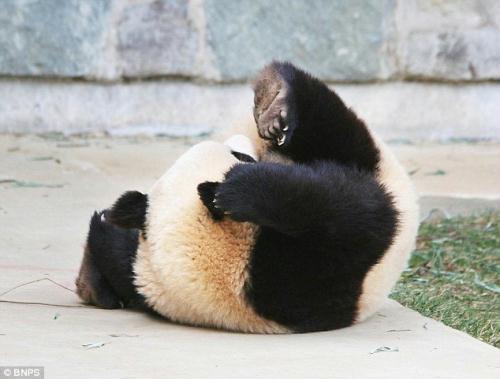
(454, 275)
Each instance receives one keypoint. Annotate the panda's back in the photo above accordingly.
(381, 278)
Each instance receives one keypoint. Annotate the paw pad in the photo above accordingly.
(271, 105)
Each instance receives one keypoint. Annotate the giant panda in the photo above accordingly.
(304, 225)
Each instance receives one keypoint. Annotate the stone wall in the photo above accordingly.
(228, 40)
(224, 42)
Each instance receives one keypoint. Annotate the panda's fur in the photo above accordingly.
(311, 237)
(192, 268)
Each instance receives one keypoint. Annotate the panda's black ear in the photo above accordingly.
(207, 191)
(242, 157)
(129, 211)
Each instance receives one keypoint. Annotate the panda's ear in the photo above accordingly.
(242, 157)
(129, 211)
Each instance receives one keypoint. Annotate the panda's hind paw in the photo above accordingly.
(272, 121)
(271, 104)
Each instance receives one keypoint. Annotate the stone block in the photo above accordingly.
(53, 37)
(449, 40)
(335, 40)
(157, 38)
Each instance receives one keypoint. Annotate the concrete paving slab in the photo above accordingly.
(459, 179)
(458, 170)
(149, 348)
(50, 186)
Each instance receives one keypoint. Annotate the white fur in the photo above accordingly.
(241, 144)
(382, 277)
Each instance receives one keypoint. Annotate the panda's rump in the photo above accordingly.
(306, 283)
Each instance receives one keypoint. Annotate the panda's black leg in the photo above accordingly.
(297, 199)
(106, 274)
(322, 227)
(92, 287)
(307, 121)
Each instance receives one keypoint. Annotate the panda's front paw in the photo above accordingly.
(207, 192)
(272, 98)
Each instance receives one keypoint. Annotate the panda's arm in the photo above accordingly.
(307, 121)
(295, 199)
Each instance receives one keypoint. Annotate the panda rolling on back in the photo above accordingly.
(310, 237)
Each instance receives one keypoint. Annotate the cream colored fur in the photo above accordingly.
(192, 269)
(382, 277)
(241, 144)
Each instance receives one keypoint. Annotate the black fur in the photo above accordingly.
(206, 191)
(320, 126)
(129, 211)
(324, 220)
(92, 287)
(243, 157)
(112, 251)
(322, 227)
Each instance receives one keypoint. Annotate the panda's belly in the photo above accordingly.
(195, 270)
(193, 278)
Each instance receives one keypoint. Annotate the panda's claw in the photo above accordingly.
(281, 140)
(214, 202)
(267, 133)
(283, 121)
(271, 123)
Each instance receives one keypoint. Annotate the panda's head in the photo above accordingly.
(204, 162)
